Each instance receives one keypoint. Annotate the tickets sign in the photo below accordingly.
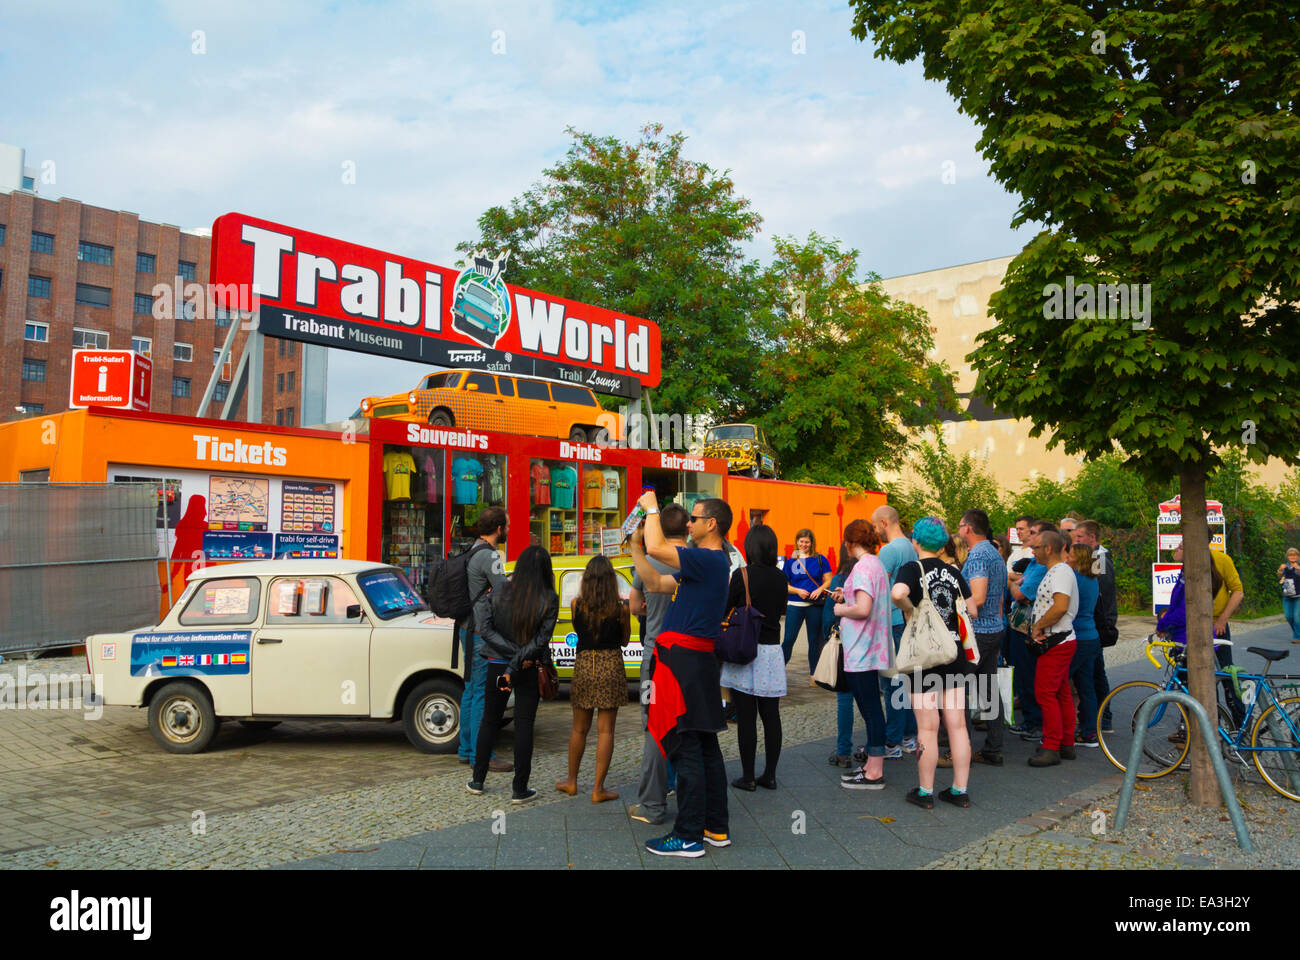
(323, 290)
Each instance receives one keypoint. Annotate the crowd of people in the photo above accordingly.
(1045, 607)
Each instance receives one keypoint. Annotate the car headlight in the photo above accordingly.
(746, 445)
(365, 405)
(412, 397)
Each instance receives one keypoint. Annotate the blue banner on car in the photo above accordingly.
(207, 653)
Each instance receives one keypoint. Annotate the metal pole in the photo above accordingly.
(166, 545)
(1208, 734)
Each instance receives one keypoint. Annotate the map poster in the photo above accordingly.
(232, 545)
(322, 546)
(306, 507)
(238, 503)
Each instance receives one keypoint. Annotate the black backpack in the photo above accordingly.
(449, 585)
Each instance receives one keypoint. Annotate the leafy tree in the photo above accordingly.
(641, 229)
(842, 368)
(946, 485)
(1158, 144)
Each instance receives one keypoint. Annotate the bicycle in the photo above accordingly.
(1274, 742)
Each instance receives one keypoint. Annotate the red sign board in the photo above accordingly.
(110, 378)
(321, 290)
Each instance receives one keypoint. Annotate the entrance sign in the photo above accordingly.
(322, 290)
(110, 378)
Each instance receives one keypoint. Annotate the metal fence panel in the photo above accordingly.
(75, 559)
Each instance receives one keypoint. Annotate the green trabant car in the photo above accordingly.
(564, 643)
(744, 447)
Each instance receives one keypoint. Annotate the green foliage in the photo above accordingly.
(844, 366)
(640, 229)
(1170, 155)
(947, 485)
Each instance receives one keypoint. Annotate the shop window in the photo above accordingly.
(602, 508)
(230, 601)
(413, 510)
(311, 601)
(553, 506)
(476, 481)
(95, 253)
(42, 242)
(145, 263)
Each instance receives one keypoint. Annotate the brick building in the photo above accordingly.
(73, 275)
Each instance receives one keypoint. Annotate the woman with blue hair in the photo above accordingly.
(940, 688)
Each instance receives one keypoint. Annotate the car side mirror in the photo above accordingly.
(471, 386)
(353, 611)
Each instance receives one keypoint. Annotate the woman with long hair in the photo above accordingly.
(516, 621)
(808, 578)
(758, 686)
(868, 644)
(843, 755)
(603, 625)
(940, 689)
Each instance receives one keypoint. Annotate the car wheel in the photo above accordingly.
(577, 435)
(440, 418)
(259, 724)
(598, 435)
(431, 716)
(181, 718)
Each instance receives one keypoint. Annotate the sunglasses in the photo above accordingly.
(692, 518)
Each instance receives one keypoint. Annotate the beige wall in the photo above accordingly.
(957, 301)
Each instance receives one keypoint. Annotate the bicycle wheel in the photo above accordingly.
(1280, 767)
(1163, 747)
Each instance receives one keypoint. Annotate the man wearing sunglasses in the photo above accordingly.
(685, 712)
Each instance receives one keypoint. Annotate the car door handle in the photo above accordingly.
(269, 640)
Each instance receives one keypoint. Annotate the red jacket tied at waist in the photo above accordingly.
(666, 702)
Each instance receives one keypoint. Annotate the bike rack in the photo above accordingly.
(1216, 757)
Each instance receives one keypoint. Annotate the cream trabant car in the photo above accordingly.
(275, 640)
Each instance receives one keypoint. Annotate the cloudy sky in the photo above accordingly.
(447, 108)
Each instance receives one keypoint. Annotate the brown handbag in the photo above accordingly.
(548, 679)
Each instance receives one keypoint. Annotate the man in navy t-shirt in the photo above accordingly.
(685, 712)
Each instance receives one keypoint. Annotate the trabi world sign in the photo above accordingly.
(321, 290)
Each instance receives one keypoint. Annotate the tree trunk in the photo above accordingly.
(1200, 630)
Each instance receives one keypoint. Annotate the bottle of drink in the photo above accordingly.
(635, 517)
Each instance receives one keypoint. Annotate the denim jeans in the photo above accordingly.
(795, 617)
(471, 705)
(865, 687)
(1022, 681)
(1082, 675)
(702, 779)
(1291, 607)
(1101, 683)
(844, 724)
(900, 722)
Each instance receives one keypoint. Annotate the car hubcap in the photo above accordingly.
(180, 719)
(437, 719)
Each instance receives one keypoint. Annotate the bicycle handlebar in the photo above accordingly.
(1169, 645)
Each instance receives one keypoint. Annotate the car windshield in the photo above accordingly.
(731, 433)
(436, 380)
(390, 593)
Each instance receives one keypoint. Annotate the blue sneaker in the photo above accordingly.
(893, 753)
(674, 846)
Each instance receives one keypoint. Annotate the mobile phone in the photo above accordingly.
(503, 682)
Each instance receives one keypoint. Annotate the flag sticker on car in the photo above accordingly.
(212, 653)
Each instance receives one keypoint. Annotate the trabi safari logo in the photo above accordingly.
(480, 302)
(571, 640)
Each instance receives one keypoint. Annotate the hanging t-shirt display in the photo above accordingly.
(429, 465)
(466, 472)
(398, 467)
(609, 493)
(564, 480)
(541, 475)
(593, 482)
(496, 485)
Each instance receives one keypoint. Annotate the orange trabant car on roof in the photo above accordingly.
(504, 403)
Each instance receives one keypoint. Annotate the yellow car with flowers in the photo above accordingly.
(564, 642)
(745, 448)
(502, 403)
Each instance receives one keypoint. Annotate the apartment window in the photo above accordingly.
(293, 348)
(183, 352)
(279, 347)
(288, 381)
(95, 253)
(186, 271)
(89, 339)
(279, 383)
(144, 303)
(34, 370)
(92, 296)
(42, 242)
(2, 234)
(288, 417)
(279, 418)
(38, 286)
(180, 386)
(145, 263)
(220, 392)
(37, 332)
(29, 183)
(221, 317)
(226, 367)
(186, 310)
(34, 408)
(142, 346)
